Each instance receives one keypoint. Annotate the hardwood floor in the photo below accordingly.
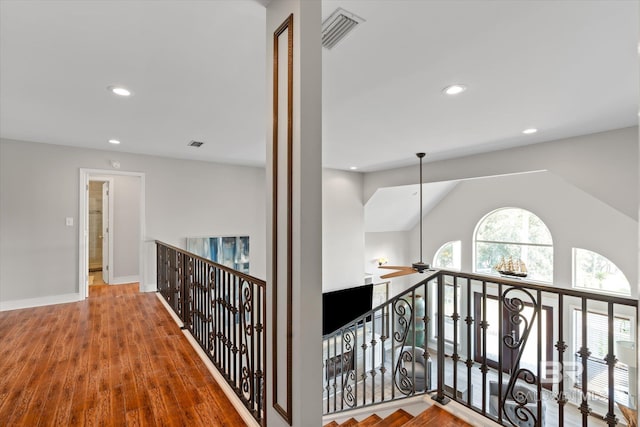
(115, 359)
(95, 278)
(433, 416)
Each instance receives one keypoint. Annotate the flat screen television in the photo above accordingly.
(342, 306)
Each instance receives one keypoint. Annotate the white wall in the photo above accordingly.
(602, 164)
(394, 246)
(574, 217)
(126, 227)
(342, 230)
(39, 189)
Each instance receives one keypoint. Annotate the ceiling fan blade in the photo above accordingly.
(404, 272)
(396, 267)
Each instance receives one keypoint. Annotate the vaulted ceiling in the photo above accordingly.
(197, 70)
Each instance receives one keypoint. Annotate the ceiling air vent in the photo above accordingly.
(194, 143)
(338, 25)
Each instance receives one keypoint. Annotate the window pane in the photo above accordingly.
(597, 342)
(448, 312)
(448, 256)
(593, 271)
(538, 259)
(493, 339)
(380, 294)
(513, 225)
(529, 358)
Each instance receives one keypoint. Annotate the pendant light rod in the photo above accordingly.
(420, 156)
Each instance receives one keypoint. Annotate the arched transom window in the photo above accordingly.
(594, 271)
(514, 234)
(449, 256)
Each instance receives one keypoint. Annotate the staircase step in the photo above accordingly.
(371, 420)
(397, 419)
(436, 416)
(351, 422)
(332, 424)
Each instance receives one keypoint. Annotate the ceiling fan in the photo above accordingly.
(416, 267)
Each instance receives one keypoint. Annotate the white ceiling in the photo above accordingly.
(197, 69)
(398, 208)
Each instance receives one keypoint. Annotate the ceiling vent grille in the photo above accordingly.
(337, 26)
(194, 143)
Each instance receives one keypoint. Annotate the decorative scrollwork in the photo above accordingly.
(246, 308)
(246, 383)
(515, 307)
(348, 338)
(349, 397)
(247, 341)
(212, 279)
(401, 377)
(524, 415)
(247, 296)
(524, 397)
(404, 315)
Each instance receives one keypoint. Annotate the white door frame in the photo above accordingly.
(83, 223)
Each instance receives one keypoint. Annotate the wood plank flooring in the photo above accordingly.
(115, 359)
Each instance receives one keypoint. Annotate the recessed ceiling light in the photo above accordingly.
(353, 168)
(454, 89)
(114, 141)
(119, 90)
(530, 131)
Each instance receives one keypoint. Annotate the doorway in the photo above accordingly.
(99, 230)
(111, 228)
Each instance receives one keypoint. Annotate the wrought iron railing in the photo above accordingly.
(517, 352)
(225, 312)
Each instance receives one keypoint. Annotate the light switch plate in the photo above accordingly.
(69, 221)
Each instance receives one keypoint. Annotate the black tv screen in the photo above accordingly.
(342, 306)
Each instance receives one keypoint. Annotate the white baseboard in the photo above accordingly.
(125, 279)
(149, 287)
(39, 302)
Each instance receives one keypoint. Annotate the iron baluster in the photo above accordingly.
(538, 307)
(561, 346)
(500, 353)
(584, 354)
(484, 325)
(611, 360)
(440, 397)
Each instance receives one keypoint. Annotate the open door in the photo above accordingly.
(105, 232)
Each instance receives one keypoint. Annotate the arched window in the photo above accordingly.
(448, 256)
(514, 234)
(593, 271)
